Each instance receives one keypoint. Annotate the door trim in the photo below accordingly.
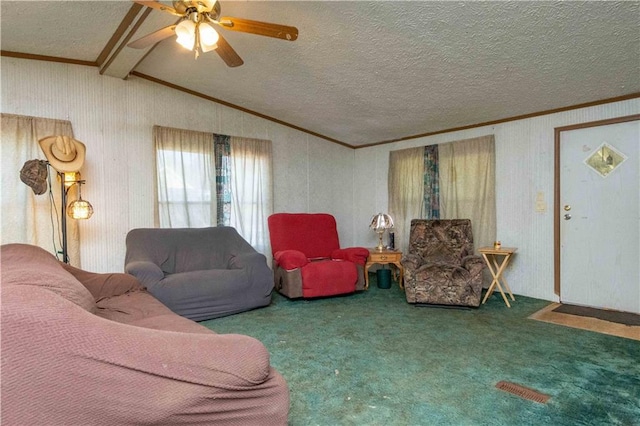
(556, 186)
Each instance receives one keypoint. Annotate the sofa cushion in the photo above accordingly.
(27, 265)
(103, 286)
(328, 278)
(198, 294)
(141, 309)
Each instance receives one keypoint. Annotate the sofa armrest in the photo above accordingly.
(412, 261)
(103, 286)
(290, 259)
(473, 264)
(246, 260)
(356, 255)
(148, 273)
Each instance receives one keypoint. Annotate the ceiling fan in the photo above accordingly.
(195, 32)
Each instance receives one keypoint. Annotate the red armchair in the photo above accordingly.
(307, 259)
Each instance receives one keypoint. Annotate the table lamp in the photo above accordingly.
(380, 223)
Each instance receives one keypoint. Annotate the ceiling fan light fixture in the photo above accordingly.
(208, 37)
(186, 32)
(196, 29)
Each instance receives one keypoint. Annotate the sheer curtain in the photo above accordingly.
(467, 185)
(206, 179)
(186, 178)
(406, 183)
(454, 180)
(26, 217)
(251, 190)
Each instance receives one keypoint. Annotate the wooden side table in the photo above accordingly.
(384, 257)
(497, 260)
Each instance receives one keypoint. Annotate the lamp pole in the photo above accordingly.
(63, 219)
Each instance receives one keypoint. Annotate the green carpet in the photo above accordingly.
(372, 359)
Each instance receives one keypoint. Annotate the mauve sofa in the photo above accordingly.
(199, 273)
(80, 348)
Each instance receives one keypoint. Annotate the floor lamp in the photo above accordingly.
(78, 209)
(66, 155)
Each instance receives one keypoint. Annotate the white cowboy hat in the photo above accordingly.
(64, 153)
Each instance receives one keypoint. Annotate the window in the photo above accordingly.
(207, 180)
(186, 191)
(448, 181)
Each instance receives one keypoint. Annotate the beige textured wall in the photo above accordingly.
(524, 167)
(114, 119)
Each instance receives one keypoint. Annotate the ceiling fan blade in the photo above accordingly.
(228, 55)
(158, 6)
(153, 38)
(283, 32)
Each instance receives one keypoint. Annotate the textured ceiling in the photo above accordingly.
(365, 72)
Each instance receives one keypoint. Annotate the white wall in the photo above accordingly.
(114, 119)
(524, 167)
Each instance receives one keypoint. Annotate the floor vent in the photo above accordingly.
(523, 392)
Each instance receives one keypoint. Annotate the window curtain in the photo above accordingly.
(431, 183)
(406, 192)
(251, 190)
(446, 181)
(467, 185)
(26, 217)
(185, 165)
(205, 179)
(223, 179)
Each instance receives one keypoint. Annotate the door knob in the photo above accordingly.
(567, 207)
(567, 216)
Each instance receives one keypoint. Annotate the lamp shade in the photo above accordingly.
(208, 37)
(380, 222)
(80, 209)
(186, 32)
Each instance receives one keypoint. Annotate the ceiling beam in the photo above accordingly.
(117, 35)
(139, 22)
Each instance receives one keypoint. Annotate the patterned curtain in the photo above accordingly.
(223, 179)
(431, 183)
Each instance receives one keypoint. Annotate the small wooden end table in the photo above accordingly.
(384, 257)
(492, 257)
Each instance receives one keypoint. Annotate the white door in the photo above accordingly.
(600, 216)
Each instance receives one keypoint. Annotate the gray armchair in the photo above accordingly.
(440, 267)
(199, 273)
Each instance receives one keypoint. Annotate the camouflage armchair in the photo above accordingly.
(440, 267)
